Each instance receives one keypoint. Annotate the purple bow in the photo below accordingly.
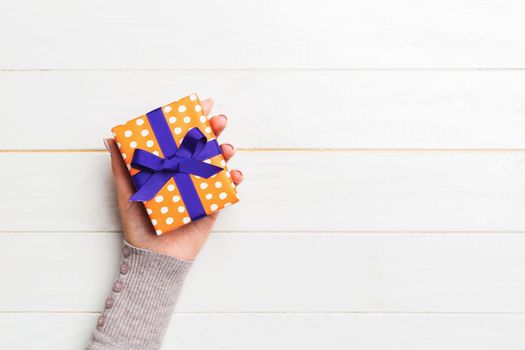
(187, 159)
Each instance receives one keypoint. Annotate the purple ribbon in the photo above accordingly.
(178, 164)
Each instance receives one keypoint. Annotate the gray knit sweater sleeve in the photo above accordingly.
(138, 310)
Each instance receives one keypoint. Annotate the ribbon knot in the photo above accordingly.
(171, 164)
(187, 159)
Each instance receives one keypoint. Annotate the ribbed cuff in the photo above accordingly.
(139, 308)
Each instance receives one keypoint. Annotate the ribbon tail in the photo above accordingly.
(210, 150)
(151, 187)
(195, 167)
(140, 178)
(189, 195)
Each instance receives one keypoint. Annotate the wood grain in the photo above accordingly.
(279, 272)
(275, 109)
(284, 331)
(289, 191)
(240, 34)
(382, 145)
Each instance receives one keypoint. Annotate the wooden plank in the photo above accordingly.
(250, 34)
(284, 331)
(289, 191)
(275, 109)
(263, 272)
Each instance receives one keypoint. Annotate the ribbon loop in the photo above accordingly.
(192, 144)
(143, 160)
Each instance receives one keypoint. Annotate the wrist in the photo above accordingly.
(144, 293)
(175, 245)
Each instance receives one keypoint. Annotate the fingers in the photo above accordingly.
(218, 124)
(227, 151)
(207, 105)
(237, 177)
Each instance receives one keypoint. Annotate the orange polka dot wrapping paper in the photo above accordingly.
(176, 165)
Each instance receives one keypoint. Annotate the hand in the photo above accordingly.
(183, 243)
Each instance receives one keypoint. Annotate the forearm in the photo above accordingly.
(141, 302)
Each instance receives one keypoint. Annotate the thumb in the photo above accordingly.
(121, 176)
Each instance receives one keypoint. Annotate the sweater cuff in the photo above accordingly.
(139, 308)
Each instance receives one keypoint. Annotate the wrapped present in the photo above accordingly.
(176, 164)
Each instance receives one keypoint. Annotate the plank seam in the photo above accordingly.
(242, 149)
(285, 232)
(287, 312)
(264, 69)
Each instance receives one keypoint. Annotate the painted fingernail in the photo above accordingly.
(106, 144)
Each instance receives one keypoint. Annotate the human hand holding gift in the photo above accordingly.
(180, 173)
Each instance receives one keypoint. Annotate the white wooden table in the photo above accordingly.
(383, 146)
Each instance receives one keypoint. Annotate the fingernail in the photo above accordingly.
(229, 144)
(240, 172)
(222, 115)
(106, 144)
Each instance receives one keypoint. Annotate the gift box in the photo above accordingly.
(176, 164)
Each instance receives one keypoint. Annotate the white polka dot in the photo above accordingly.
(159, 199)
(114, 134)
(193, 97)
(118, 145)
(124, 156)
(218, 184)
(203, 119)
(204, 186)
(223, 195)
(171, 188)
(214, 207)
(149, 211)
(209, 196)
(154, 222)
(128, 166)
(169, 221)
(139, 121)
(233, 185)
(208, 130)
(150, 143)
(144, 132)
(181, 209)
(164, 210)
(156, 153)
(167, 109)
(198, 108)
(128, 133)
(133, 144)
(182, 108)
(159, 232)
(223, 162)
(177, 131)
(207, 161)
(228, 174)
(187, 119)
(172, 120)
(186, 219)
(227, 204)
(175, 199)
